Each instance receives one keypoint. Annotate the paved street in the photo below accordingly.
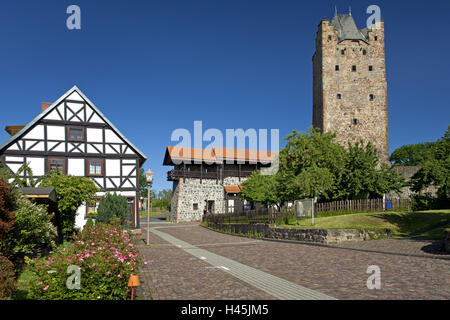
(187, 261)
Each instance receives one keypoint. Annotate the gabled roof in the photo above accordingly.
(53, 106)
(347, 29)
(216, 155)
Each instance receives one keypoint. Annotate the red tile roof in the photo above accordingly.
(233, 189)
(217, 155)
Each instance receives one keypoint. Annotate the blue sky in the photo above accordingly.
(155, 66)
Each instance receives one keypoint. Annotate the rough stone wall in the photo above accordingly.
(327, 236)
(191, 191)
(355, 88)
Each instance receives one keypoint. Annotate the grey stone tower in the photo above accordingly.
(350, 89)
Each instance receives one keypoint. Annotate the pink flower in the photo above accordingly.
(45, 288)
(40, 282)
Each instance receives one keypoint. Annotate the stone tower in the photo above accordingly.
(350, 89)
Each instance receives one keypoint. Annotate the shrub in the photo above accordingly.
(106, 257)
(7, 204)
(33, 230)
(89, 223)
(7, 278)
(428, 202)
(112, 205)
(71, 192)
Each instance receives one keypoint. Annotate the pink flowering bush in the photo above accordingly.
(106, 256)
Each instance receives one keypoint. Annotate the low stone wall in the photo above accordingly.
(326, 236)
(447, 240)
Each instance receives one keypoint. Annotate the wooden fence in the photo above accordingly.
(270, 215)
(361, 205)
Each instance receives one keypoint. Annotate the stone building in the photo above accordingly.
(209, 181)
(408, 172)
(349, 85)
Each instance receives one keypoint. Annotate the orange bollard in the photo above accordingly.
(133, 282)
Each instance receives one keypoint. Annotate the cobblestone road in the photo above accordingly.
(341, 273)
(173, 274)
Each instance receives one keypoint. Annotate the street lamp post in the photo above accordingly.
(149, 176)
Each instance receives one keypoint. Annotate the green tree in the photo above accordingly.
(362, 178)
(311, 163)
(33, 230)
(410, 155)
(260, 188)
(112, 206)
(143, 186)
(71, 193)
(161, 199)
(435, 168)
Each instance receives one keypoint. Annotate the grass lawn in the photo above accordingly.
(152, 214)
(401, 224)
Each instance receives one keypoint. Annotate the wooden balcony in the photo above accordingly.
(219, 174)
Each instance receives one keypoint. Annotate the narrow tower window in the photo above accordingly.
(371, 97)
(339, 96)
(364, 52)
(370, 68)
(353, 68)
(336, 67)
(343, 52)
(355, 122)
(376, 38)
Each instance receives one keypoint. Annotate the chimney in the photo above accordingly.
(13, 130)
(45, 105)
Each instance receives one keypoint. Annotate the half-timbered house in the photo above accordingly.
(73, 135)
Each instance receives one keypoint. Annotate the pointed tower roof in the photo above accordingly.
(346, 27)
